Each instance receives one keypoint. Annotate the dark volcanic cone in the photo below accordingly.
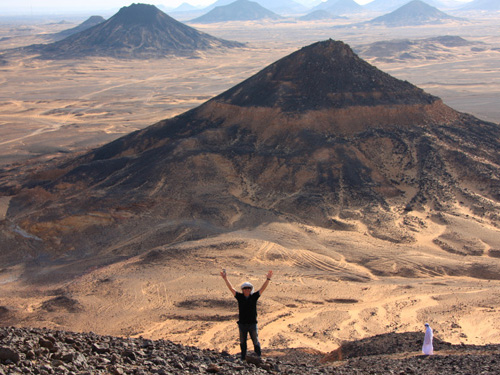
(136, 31)
(414, 13)
(315, 137)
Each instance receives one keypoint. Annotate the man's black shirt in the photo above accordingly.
(247, 308)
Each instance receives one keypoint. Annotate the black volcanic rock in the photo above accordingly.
(240, 10)
(322, 76)
(136, 31)
(414, 13)
(313, 136)
(90, 22)
(22, 350)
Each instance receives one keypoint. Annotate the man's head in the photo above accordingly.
(246, 289)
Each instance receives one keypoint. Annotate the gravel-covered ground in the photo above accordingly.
(42, 351)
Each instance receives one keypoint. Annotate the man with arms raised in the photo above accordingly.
(247, 307)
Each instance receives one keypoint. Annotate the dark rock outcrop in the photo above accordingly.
(25, 350)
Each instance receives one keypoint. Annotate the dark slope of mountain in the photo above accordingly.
(315, 80)
(136, 31)
(339, 7)
(492, 5)
(414, 13)
(240, 10)
(91, 22)
(318, 136)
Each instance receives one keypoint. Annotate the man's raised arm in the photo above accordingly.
(224, 276)
(266, 283)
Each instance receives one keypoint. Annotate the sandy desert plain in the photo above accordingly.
(323, 291)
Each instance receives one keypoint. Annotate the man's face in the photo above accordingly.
(247, 291)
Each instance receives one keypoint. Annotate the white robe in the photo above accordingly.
(427, 348)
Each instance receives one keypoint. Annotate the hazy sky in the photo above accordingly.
(29, 7)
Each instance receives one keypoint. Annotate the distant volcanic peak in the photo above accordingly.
(147, 17)
(94, 20)
(340, 6)
(138, 14)
(240, 10)
(418, 10)
(420, 6)
(324, 75)
(136, 31)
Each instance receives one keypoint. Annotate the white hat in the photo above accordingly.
(246, 285)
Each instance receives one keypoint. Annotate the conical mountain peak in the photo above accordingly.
(324, 75)
(136, 31)
(138, 13)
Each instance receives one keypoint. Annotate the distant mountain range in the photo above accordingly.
(277, 6)
(136, 31)
(482, 5)
(414, 13)
(240, 10)
(390, 5)
(339, 7)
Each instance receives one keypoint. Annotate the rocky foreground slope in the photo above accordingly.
(42, 351)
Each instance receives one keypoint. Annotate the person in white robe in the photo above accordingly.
(428, 348)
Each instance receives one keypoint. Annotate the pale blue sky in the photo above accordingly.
(29, 7)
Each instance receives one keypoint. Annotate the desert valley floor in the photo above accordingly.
(329, 286)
